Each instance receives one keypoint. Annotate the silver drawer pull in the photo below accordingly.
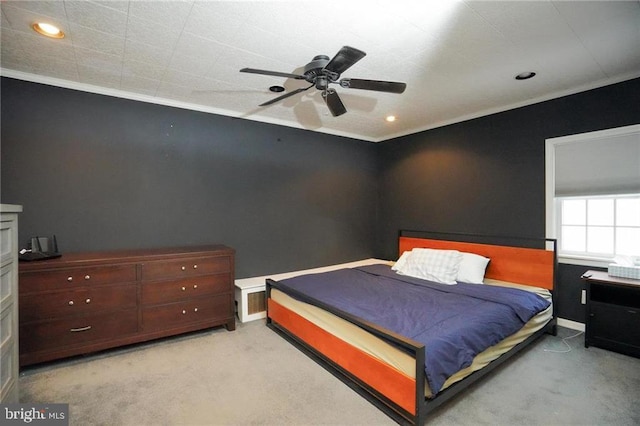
(184, 268)
(195, 286)
(87, 277)
(70, 302)
(184, 312)
(69, 279)
(76, 330)
(184, 288)
(87, 301)
(195, 266)
(195, 309)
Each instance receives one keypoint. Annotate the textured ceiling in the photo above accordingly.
(458, 59)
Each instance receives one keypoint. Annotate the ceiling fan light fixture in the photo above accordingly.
(525, 75)
(47, 30)
(276, 89)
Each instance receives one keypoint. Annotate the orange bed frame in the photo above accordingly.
(398, 395)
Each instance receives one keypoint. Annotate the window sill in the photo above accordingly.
(584, 261)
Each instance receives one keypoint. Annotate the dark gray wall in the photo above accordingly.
(487, 176)
(103, 173)
(106, 173)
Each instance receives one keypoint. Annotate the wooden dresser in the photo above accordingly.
(85, 302)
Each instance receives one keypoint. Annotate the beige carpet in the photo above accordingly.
(248, 376)
(252, 376)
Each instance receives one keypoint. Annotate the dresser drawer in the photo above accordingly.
(174, 290)
(7, 327)
(7, 233)
(187, 267)
(60, 279)
(7, 286)
(47, 335)
(8, 360)
(172, 315)
(78, 301)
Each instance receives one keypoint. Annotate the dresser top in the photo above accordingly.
(10, 208)
(125, 256)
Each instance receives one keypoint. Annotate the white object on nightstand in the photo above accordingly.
(9, 304)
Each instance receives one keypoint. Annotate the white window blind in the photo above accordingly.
(592, 194)
(603, 165)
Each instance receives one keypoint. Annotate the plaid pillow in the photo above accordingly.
(434, 265)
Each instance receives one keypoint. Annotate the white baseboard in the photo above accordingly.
(570, 324)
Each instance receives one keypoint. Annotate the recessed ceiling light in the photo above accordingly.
(48, 30)
(525, 75)
(390, 118)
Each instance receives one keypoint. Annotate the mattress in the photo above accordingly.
(395, 357)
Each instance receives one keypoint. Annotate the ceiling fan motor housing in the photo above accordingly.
(314, 68)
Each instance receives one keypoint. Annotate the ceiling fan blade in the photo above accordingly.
(377, 85)
(344, 59)
(286, 95)
(273, 73)
(333, 102)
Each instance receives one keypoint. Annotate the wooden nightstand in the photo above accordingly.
(613, 313)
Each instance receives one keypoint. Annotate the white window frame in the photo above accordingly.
(585, 255)
(550, 185)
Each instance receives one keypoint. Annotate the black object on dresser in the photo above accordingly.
(613, 313)
(86, 302)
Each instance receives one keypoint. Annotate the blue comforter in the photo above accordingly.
(454, 322)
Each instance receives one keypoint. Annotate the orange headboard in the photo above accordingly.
(535, 267)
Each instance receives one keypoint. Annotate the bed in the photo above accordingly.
(366, 344)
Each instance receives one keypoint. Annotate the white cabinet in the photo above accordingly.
(9, 304)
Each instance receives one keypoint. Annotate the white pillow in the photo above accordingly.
(472, 268)
(434, 265)
(402, 260)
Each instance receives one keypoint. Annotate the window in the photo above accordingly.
(593, 195)
(599, 226)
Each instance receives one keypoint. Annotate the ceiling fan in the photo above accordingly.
(322, 71)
